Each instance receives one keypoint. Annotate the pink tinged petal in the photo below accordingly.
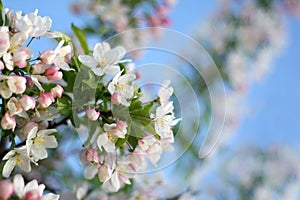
(27, 102)
(57, 91)
(32, 185)
(124, 179)
(32, 195)
(88, 61)
(92, 114)
(19, 185)
(58, 61)
(50, 196)
(17, 84)
(8, 167)
(48, 56)
(104, 172)
(8, 122)
(113, 184)
(90, 171)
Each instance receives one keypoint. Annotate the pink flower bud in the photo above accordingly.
(57, 91)
(92, 156)
(21, 55)
(53, 73)
(8, 122)
(6, 189)
(16, 84)
(116, 98)
(92, 114)
(45, 99)
(47, 57)
(32, 195)
(27, 102)
(104, 172)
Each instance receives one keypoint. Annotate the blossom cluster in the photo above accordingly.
(30, 87)
(119, 149)
(17, 188)
(41, 91)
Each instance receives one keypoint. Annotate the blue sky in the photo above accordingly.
(274, 100)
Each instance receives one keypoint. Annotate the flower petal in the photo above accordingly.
(88, 61)
(18, 182)
(8, 167)
(90, 171)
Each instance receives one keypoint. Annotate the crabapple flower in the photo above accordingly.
(8, 122)
(164, 119)
(117, 130)
(16, 157)
(120, 85)
(104, 141)
(32, 190)
(165, 92)
(120, 176)
(16, 84)
(151, 148)
(27, 102)
(58, 57)
(53, 73)
(104, 59)
(38, 141)
(57, 91)
(45, 99)
(14, 107)
(92, 114)
(6, 189)
(32, 24)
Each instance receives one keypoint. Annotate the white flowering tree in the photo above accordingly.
(49, 96)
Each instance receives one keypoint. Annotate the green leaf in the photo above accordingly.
(91, 81)
(64, 106)
(69, 77)
(81, 38)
